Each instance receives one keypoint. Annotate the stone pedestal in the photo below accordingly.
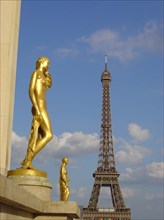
(36, 185)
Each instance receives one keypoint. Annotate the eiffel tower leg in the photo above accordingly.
(94, 196)
(117, 197)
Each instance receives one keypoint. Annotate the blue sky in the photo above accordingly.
(76, 35)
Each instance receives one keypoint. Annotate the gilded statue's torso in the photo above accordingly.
(41, 88)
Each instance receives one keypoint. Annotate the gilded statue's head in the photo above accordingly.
(65, 160)
(44, 61)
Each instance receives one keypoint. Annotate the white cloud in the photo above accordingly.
(155, 169)
(137, 175)
(73, 144)
(82, 191)
(130, 153)
(153, 196)
(129, 192)
(146, 174)
(138, 133)
(68, 144)
(108, 42)
(19, 145)
(76, 144)
(151, 37)
(128, 175)
(65, 52)
(112, 43)
(18, 141)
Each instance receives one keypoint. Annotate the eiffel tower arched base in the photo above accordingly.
(119, 211)
(106, 214)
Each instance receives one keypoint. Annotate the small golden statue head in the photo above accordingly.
(42, 61)
(65, 160)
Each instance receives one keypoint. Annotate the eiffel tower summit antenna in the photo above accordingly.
(106, 62)
(106, 174)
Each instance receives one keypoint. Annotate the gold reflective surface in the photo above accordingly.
(64, 187)
(26, 172)
(41, 131)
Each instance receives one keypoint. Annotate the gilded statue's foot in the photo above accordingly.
(23, 162)
(31, 167)
(27, 165)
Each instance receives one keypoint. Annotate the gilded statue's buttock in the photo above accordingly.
(64, 187)
(41, 131)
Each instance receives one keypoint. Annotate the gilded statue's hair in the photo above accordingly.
(65, 160)
(42, 60)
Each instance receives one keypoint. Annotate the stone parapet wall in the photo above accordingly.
(17, 203)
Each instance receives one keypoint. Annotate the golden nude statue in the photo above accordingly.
(41, 131)
(64, 187)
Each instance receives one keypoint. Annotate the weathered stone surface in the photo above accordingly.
(18, 204)
(69, 207)
(9, 22)
(53, 218)
(36, 185)
(14, 195)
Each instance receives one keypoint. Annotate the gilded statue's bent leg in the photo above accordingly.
(46, 129)
(26, 163)
(40, 135)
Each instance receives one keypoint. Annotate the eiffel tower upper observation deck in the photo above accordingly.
(106, 174)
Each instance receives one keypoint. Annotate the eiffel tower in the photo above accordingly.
(106, 174)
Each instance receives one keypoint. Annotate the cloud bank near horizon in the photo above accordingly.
(77, 143)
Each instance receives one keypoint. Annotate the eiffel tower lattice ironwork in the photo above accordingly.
(106, 174)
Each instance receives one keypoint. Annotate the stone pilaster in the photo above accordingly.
(10, 16)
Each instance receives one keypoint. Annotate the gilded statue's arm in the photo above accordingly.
(48, 80)
(32, 92)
